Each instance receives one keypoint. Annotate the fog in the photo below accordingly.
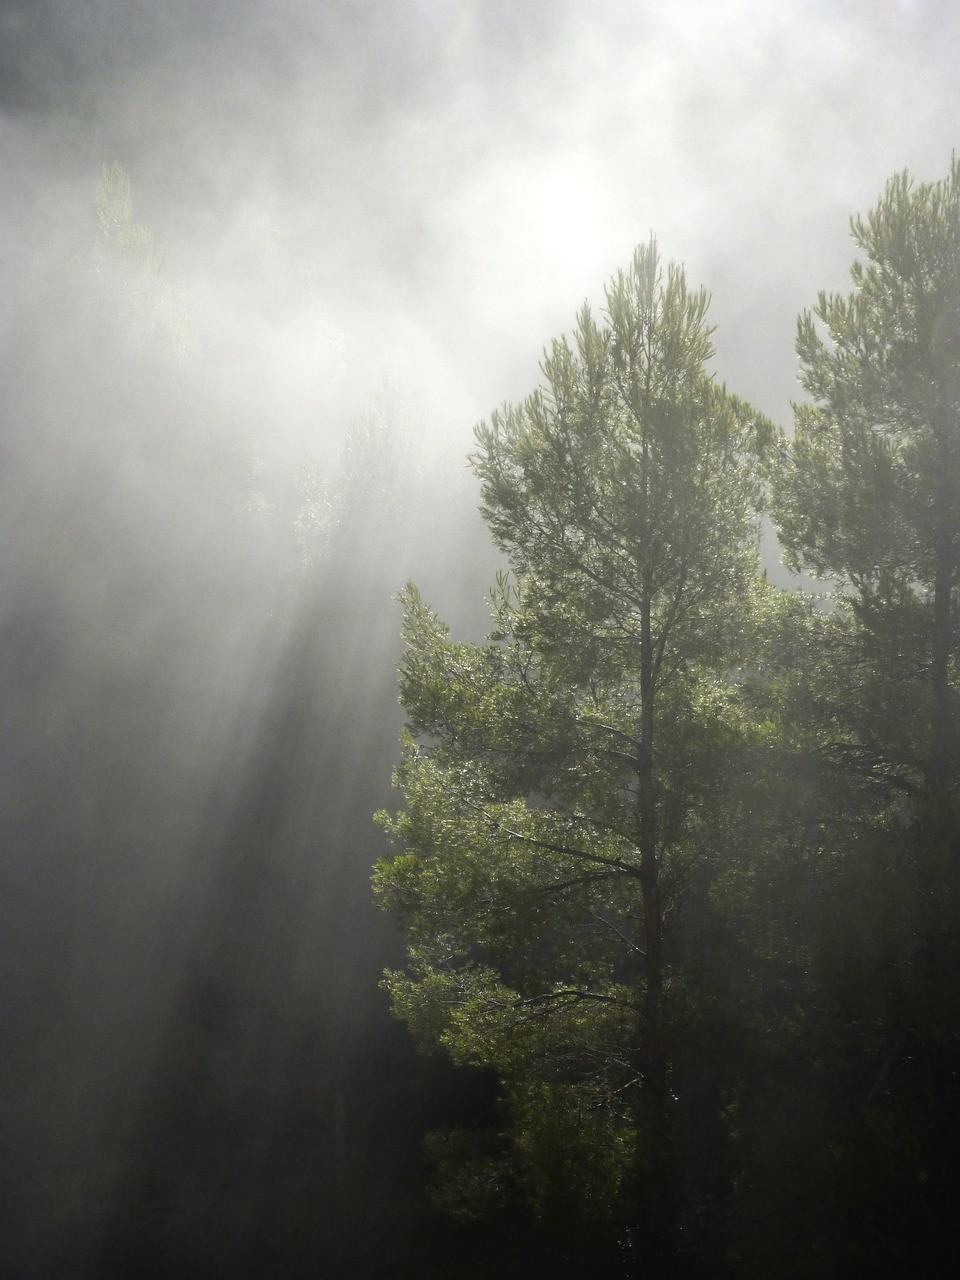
(430, 190)
(372, 218)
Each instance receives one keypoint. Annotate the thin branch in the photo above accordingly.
(548, 846)
(609, 925)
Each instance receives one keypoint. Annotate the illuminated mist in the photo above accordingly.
(223, 452)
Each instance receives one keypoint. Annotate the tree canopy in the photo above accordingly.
(872, 495)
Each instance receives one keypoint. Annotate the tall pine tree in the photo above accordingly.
(563, 781)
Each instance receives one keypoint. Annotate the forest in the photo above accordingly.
(678, 855)
(673, 840)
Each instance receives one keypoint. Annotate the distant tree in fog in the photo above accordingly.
(127, 254)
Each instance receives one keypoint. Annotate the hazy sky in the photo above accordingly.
(427, 189)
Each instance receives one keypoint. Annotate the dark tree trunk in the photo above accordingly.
(942, 758)
(655, 1160)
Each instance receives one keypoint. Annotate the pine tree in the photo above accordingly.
(563, 781)
(871, 496)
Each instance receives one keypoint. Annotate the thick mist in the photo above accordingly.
(370, 220)
(430, 190)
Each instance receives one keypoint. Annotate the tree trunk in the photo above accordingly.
(942, 754)
(939, 766)
(656, 1165)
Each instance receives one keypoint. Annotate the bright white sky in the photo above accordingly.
(428, 189)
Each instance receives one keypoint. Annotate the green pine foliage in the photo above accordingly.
(871, 493)
(861, 1089)
(678, 853)
(562, 780)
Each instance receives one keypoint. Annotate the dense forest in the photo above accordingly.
(673, 849)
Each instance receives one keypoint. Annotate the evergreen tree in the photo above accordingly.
(871, 495)
(563, 781)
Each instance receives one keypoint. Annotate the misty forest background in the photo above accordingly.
(263, 267)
